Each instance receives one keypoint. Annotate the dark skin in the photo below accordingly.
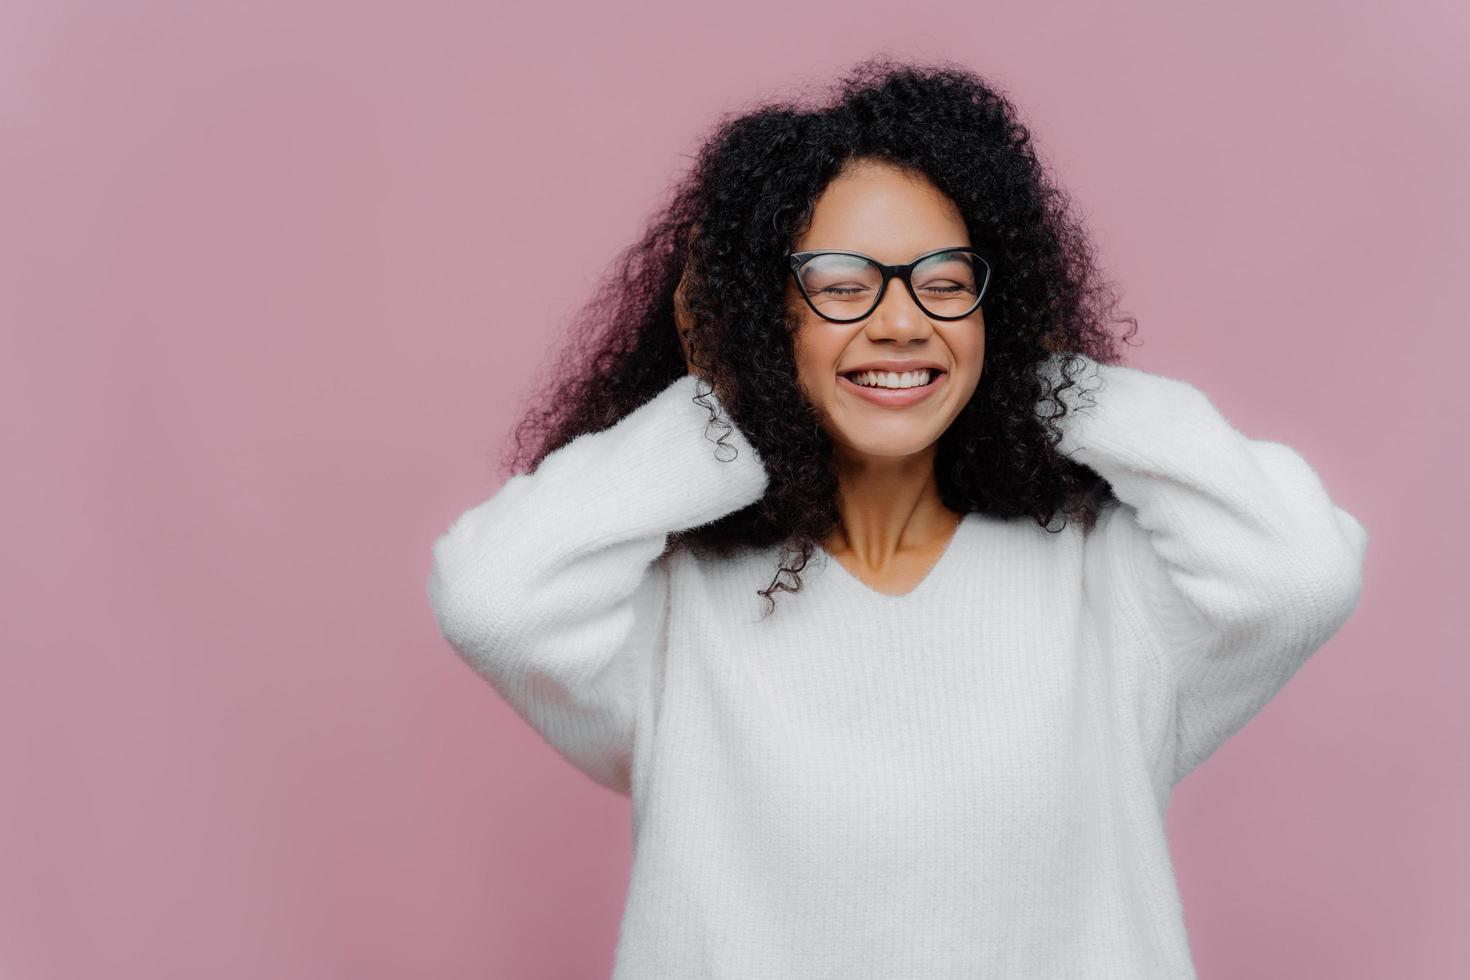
(682, 321)
(894, 526)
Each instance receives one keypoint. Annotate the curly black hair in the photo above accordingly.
(750, 195)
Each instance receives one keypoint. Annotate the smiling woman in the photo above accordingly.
(950, 754)
(885, 430)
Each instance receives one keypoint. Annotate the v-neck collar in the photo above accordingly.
(937, 571)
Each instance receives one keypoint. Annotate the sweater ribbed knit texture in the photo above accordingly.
(965, 781)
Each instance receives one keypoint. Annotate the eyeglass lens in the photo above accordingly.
(845, 287)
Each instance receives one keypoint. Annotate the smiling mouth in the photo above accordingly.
(934, 376)
(896, 399)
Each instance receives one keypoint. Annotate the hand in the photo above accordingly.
(682, 320)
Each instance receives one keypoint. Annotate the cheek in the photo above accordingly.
(968, 345)
(816, 358)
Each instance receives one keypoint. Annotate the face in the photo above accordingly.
(893, 216)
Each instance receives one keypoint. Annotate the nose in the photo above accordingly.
(897, 316)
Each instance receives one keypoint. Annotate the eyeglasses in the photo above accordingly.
(842, 286)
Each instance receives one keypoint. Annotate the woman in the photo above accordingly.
(949, 752)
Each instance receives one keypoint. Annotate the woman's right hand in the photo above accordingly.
(682, 319)
(684, 322)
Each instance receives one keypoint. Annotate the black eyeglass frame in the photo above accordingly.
(905, 272)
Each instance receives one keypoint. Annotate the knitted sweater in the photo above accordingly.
(967, 780)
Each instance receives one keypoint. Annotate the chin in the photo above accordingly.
(885, 448)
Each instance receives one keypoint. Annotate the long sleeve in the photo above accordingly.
(1240, 563)
(550, 589)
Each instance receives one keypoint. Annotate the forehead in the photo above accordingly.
(881, 210)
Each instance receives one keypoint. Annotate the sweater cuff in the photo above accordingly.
(1125, 416)
(666, 466)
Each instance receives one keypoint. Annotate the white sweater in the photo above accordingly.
(968, 780)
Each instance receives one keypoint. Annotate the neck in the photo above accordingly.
(889, 505)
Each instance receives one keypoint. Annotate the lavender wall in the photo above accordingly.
(268, 308)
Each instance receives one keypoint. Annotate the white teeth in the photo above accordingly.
(890, 379)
